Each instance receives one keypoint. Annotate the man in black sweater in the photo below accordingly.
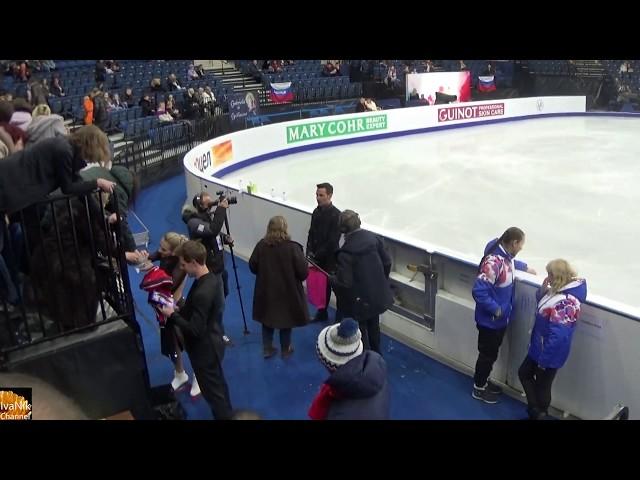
(200, 320)
(322, 242)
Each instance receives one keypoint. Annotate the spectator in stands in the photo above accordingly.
(128, 99)
(361, 107)
(429, 67)
(191, 73)
(423, 100)
(112, 66)
(147, 105)
(44, 125)
(489, 69)
(275, 66)
(391, 79)
(96, 152)
(162, 114)
(493, 294)
(171, 108)
(330, 70)
(362, 278)
(101, 71)
(7, 146)
(559, 304)
(18, 136)
(200, 70)
(414, 95)
(156, 85)
(254, 71)
(23, 72)
(22, 114)
(100, 113)
(370, 105)
(29, 175)
(358, 387)
(208, 91)
(191, 107)
(49, 64)
(87, 105)
(56, 87)
(205, 101)
(322, 240)
(39, 92)
(279, 301)
(625, 67)
(108, 102)
(200, 322)
(116, 103)
(463, 66)
(173, 83)
(5, 95)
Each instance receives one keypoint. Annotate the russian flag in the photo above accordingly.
(281, 92)
(486, 83)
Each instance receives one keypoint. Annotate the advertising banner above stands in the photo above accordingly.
(270, 141)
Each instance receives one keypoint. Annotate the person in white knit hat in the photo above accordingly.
(357, 388)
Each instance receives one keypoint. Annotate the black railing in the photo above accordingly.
(67, 272)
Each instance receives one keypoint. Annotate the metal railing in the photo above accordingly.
(67, 272)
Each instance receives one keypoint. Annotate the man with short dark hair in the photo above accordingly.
(200, 320)
(361, 282)
(323, 238)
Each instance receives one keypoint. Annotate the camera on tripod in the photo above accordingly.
(221, 196)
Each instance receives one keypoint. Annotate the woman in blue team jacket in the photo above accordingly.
(559, 302)
(493, 293)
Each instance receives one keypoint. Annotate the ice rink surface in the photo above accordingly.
(570, 183)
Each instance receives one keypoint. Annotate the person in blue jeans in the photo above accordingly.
(493, 293)
(559, 304)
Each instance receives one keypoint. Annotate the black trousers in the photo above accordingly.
(489, 341)
(213, 385)
(267, 337)
(370, 329)
(536, 382)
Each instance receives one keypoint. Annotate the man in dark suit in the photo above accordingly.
(323, 238)
(200, 320)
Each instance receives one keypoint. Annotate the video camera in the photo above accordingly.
(221, 196)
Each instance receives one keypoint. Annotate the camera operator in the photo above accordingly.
(205, 224)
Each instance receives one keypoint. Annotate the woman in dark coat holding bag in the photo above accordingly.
(279, 301)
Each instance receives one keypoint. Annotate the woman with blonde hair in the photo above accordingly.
(171, 342)
(279, 301)
(44, 125)
(559, 304)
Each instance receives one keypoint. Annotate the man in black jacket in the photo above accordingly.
(362, 279)
(207, 228)
(323, 238)
(200, 320)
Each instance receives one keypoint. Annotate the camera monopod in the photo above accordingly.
(235, 271)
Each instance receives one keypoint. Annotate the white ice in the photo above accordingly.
(570, 183)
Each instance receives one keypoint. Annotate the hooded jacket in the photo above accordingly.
(556, 318)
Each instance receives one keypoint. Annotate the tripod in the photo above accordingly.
(235, 271)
